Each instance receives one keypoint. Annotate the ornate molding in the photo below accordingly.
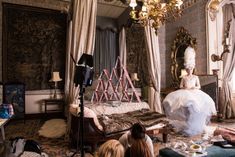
(189, 3)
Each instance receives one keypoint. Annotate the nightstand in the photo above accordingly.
(165, 91)
(58, 106)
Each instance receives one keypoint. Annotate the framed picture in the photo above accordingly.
(14, 93)
(1, 93)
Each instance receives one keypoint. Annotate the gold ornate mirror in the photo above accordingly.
(182, 41)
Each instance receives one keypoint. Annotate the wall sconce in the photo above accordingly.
(226, 44)
(55, 78)
(214, 8)
(183, 73)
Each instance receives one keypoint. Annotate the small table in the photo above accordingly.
(2, 124)
(54, 102)
(159, 129)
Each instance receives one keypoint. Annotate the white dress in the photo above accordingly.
(189, 109)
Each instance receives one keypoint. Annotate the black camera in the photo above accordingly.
(84, 71)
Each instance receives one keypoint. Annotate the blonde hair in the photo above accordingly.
(111, 148)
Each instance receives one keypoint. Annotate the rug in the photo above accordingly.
(54, 128)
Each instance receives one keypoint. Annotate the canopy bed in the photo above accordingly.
(115, 106)
(189, 112)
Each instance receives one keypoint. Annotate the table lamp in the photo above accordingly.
(55, 77)
(183, 73)
(134, 77)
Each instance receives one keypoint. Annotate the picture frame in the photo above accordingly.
(14, 93)
(1, 92)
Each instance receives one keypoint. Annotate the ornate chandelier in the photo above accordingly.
(156, 11)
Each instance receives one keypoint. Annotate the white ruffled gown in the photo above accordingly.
(189, 109)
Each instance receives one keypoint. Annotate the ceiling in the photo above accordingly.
(110, 8)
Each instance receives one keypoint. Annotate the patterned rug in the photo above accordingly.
(54, 147)
(59, 147)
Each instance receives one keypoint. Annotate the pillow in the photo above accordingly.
(91, 114)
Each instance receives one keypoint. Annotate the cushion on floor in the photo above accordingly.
(53, 128)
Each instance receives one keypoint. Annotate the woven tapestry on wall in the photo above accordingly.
(137, 54)
(34, 45)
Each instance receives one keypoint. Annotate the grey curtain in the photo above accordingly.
(105, 53)
(122, 46)
(229, 64)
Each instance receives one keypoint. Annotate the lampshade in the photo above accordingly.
(183, 73)
(55, 77)
(134, 77)
(214, 5)
(133, 3)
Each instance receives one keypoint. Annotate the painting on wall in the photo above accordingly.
(34, 45)
(14, 93)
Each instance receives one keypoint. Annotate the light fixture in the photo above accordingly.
(183, 73)
(55, 78)
(213, 8)
(156, 11)
(134, 78)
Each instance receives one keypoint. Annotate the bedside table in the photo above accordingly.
(54, 102)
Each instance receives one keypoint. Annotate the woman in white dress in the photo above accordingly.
(189, 107)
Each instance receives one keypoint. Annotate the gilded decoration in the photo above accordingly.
(182, 41)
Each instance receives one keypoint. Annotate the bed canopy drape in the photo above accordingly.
(81, 39)
(153, 56)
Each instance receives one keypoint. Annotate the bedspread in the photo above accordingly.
(121, 122)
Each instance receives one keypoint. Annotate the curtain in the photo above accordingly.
(229, 64)
(153, 58)
(122, 46)
(81, 38)
(105, 50)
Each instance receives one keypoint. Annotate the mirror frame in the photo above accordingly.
(183, 38)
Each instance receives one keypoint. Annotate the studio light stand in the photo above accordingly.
(83, 77)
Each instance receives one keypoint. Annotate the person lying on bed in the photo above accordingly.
(199, 104)
(137, 132)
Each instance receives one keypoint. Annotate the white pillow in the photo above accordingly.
(87, 113)
(91, 114)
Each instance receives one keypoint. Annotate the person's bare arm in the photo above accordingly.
(182, 83)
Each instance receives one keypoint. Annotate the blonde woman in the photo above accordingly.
(111, 148)
(189, 108)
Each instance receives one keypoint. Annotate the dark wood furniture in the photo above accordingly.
(209, 85)
(93, 136)
(58, 103)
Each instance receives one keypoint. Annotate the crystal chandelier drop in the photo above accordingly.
(156, 11)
